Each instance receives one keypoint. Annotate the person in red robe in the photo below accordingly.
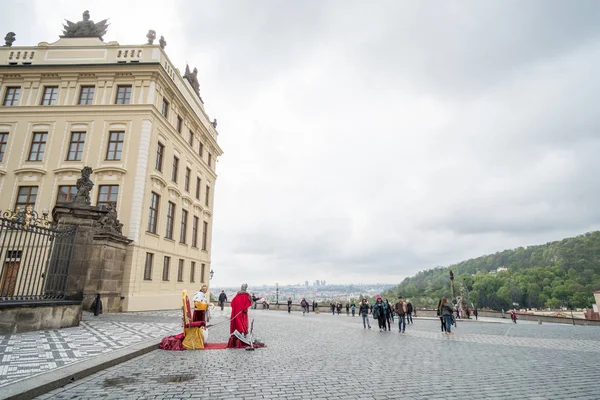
(240, 304)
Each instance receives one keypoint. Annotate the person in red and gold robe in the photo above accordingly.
(240, 304)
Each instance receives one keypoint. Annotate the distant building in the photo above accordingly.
(127, 112)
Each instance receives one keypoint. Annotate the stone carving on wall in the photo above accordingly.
(214, 123)
(151, 36)
(9, 39)
(85, 28)
(110, 222)
(84, 186)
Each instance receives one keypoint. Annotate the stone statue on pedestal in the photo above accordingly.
(84, 186)
(151, 36)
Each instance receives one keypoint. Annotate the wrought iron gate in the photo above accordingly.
(35, 257)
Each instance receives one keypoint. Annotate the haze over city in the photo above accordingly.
(365, 141)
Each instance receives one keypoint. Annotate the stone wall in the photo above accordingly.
(39, 317)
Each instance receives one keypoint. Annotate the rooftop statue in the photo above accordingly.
(85, 28)
(162, 42)
(192, 78)
(151, 36)
(9, 39)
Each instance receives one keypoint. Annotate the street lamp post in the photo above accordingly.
(277, 293)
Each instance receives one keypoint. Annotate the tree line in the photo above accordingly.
(564, 273)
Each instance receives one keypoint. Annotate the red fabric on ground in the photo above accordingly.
(214, 346)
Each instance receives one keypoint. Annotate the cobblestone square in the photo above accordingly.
(320, 356)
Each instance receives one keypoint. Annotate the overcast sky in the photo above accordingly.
(367, 140)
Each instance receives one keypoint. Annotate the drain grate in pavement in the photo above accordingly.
(175, 378)
(110, 382)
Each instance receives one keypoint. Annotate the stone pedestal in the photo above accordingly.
(98, 256)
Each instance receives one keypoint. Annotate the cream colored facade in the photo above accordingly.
(82, 102)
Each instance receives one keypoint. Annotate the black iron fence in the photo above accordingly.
(35, 257)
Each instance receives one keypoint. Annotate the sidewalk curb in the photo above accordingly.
(44, 383)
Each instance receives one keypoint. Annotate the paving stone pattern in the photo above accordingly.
(25, 355)
(333, 357)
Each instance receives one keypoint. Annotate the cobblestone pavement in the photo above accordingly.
(25, 355)
(333, 357)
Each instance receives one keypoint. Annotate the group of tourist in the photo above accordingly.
(383, 312)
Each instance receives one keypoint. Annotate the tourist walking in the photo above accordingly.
(339, 308)
(388, 313)
(409, 311)
(363, 311)
(304, 305)
(222, 299)
(289, 304)
(401, 312)
(475, 313)
(513, 316)
(353, 308)
(439, 314)
(332, 305)
(347, 309)
(314, 305)
(379, 312)
(447, 313)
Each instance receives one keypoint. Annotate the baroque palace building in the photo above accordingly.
(128, 113)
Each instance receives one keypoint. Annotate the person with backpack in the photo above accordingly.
(363, 311)
(401, 312)
(222, 299)
(304, 305)
(353, 308)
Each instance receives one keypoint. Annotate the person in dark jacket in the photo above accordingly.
(289, 304)
(439, 314)
(222, 299)
(401, 313)
(363, 311)
(379, 313)
(447, 313)
(409, 311)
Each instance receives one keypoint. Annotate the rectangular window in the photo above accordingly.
(198, 185)
(204, 235)
(195, 231)
(175, 170)
(188, 172)
(115, 146)
(107, 194)
(11, 98)
(86, 95)
(210, 160)
(123, 94)
(201, 150)
(26, 197)
(3, 142)
(166, 264)
(207, 197)
(202, 272)
(193, 271)
(160, 152)
(50, 93)
(179, 124)
(191, 139)
(165, 108)
(153, 212)
(183, 231)
(180, 271)
(170, 220)
(76, 146)
(148, 266)
(66, 194)
(38, 144)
